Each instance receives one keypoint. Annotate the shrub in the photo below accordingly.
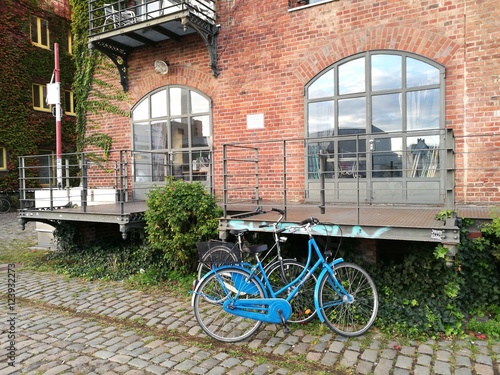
(179, 215)
(418, 294)
(479, 267)
(421, 296)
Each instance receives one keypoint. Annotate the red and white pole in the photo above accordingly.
(58, 118)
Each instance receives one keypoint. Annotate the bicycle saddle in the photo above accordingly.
(238, 232)
(255, 249)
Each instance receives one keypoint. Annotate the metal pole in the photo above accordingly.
(58, 118)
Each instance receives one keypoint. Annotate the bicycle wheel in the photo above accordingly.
(4, 205)
(209, 297)
(349, 315)
(303, 309)
(218, 252)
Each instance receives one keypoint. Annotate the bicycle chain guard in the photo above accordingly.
(269, 310)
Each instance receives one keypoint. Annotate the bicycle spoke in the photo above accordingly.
(211, 294)
(351, 309)
(303, 309)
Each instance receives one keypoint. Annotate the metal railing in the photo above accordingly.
(109, 15)
(151, 168)
(424, 168)
(117, 177)
(88, 178)
(357, 170)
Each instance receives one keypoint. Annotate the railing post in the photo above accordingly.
(284, 178)
(22, 183)
(122, 194)
(66, 162)
(224, 178)
(448, 167)
(51, 193)
(257, 197)
(322, 168)
(84, 182)
(357, 179)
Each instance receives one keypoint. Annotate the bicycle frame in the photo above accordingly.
(295, 285)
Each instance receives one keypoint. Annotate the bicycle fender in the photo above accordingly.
(195, 289)
(228, 267)
(316, 288)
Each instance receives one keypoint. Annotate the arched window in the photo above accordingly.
(376, 115)
(172, 135)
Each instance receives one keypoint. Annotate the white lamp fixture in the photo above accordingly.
(161, 66)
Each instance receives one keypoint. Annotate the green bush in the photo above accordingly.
(179, 215)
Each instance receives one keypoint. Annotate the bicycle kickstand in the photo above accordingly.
(286, 329)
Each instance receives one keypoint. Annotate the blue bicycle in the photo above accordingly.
(231, 302)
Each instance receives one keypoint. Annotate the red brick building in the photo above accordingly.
(349, 102)
(327, 69)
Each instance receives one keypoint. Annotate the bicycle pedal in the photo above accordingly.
(286, 329)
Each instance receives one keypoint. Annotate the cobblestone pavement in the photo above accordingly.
(69, 326)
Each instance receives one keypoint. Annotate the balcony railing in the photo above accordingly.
(116, 14)
(116, 28)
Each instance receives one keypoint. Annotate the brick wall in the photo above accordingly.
(267, 54)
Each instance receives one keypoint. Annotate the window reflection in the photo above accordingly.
(141, 136)
(352, 116)
(419, 73)
(142, 167)
(313, 159)
(321, 117)
(159, 136)
(423, 156)
(386, 113)
(179, 130)
(179, 101)
(352, 158)
(180, 164)
(386, 72)
(159, 104)
(411, 102)
(198, 103)
(422, 109)
(200, 131)
(178, 144)
(352, 76)
(322, 87)
(141, 111)
(387, 157)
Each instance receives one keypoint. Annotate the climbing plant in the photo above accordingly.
(92, 95)
(24, 131)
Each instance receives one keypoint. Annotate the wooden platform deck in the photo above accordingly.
(410, 223)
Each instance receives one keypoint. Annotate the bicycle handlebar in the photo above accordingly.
(281, 212)
(310, 220)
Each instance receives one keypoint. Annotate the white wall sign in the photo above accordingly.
(255, 121)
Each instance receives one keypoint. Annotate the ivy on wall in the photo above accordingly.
(24, 131)
(92, 95)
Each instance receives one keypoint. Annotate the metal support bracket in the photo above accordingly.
(118, 55)
(208, 33)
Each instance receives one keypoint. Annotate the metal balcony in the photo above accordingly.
(116, 29)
